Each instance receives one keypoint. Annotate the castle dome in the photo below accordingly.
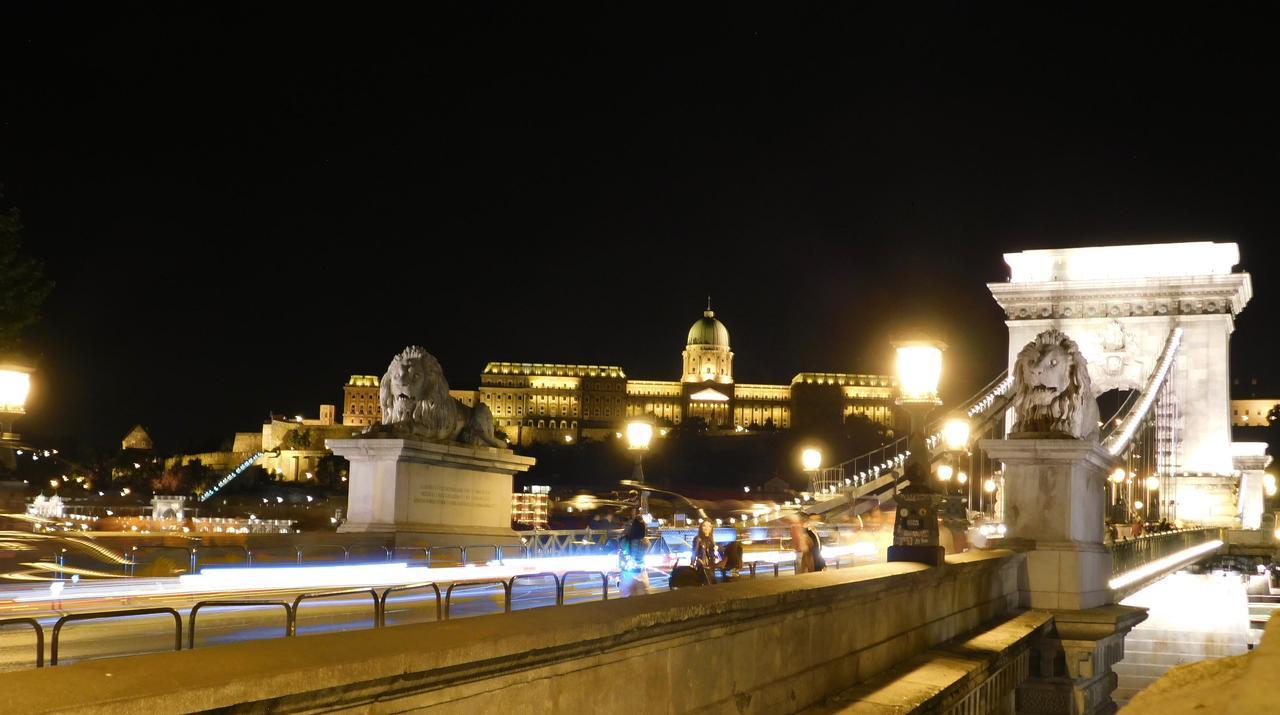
(709, 331)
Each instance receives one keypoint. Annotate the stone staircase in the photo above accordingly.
(1192, 617)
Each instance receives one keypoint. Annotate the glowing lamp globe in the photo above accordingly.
(955, 434)
(944, 472)
(989, 486)
(811, 459)
(639, 434)
(1137, 504)
(919, 367)
(1153, 483)
(15, 383)
(962, 477)
(1117, 476)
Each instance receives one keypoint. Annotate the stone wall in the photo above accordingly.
(762, 646)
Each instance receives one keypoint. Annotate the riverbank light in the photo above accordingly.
(919, 368)
(639, 434)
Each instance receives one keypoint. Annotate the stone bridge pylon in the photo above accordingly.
(1119, 303)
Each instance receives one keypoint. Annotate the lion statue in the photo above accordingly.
(416, 403)
(1051, 389)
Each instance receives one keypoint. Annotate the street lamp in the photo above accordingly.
(915, 528)
(639, 435)
(811, 461)
(15, 384)
(955, 434)
(955, 438)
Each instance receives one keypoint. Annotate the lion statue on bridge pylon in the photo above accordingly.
(1052, 392)
(416, 404)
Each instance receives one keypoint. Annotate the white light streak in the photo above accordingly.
(1162, 564)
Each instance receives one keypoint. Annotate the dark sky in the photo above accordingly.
(243, 205)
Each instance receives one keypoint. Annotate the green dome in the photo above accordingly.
(709, 331)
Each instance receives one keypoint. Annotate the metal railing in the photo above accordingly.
(564, 581)
(377, 604)
(39, 635)
(191, 619)
(567, 542)
(1129, 554)
(506, 588)
(131, 560)
(431, 553)
(198, 551)
(382, 600)
(101, 615)
(511, 582)
(466, 552)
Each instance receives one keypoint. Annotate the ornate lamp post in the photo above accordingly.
(915, 528)
(639, 435)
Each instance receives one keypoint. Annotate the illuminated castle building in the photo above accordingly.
(546, 402)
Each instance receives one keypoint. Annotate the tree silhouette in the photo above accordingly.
(23, 287)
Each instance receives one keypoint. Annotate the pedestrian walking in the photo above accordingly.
(802, 546)
(705, 554)
(633, 575)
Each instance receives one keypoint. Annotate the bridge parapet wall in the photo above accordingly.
(767, 646)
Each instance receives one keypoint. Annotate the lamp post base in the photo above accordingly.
(929, 555)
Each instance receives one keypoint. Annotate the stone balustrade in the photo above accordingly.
(766, 646)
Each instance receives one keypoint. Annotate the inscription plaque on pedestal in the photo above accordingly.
(428, 493)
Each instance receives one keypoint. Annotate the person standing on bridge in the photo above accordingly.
(633, 575)
(705, 556)
(807, 545)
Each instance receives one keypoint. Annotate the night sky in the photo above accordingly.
(241, 205)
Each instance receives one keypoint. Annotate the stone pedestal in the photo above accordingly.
(430, 494)
(1054, 500)
(1071, 669)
